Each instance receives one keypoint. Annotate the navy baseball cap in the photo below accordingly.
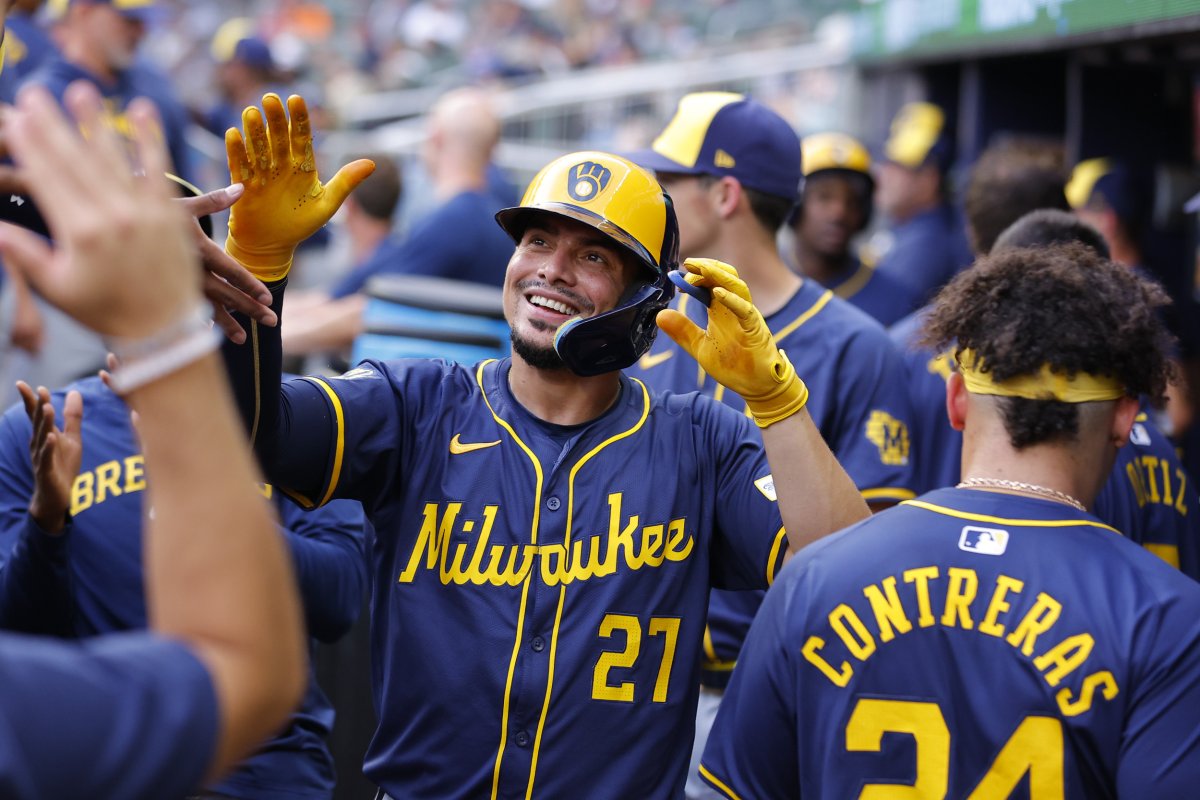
(722, 133)
(1124, 189)
(235, 40)
(918, 137)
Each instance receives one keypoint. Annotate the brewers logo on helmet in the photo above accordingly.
(626, 203)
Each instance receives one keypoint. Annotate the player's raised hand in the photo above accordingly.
(285, 201)
(121, 262)
(55, 455)
(737, 348)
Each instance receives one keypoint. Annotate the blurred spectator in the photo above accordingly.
(1011, 178)
(459, 239)
(245, 72)
(99, 43)
(925, 245)
(835, 206)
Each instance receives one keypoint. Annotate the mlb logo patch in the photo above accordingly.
(984, 541)
(1138, 435)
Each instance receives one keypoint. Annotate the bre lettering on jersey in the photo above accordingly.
(441, 547)
(985, 541)
(956, 597)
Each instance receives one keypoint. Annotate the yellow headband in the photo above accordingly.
(1042, 385)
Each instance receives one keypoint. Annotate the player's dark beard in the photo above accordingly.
(536, 357)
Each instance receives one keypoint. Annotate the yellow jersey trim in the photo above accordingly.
(335, 473)
(300, 499)
(562, 591)
(712, 662)
(537, 505)
(1033, 523)
(718, 783)
(812, 311)
(1167, 552)
(822, 301)
(773, 559)
(896, 494)
(855, 283)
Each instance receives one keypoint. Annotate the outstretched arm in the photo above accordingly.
(284, 203)
(218, 575)
(816, 496)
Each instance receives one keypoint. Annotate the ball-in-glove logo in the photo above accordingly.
(586, 180)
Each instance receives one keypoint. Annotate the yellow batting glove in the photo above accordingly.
(737, 348)
(285, 201)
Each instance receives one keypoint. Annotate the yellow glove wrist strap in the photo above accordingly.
(268, 264)
(789, 396)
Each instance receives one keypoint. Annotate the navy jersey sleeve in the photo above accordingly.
(34, 579)
(293, 427)
(1160, 749)
(317, 438)
(328, 547)
(752, 749)
(871, 437)
(749, 541)
(128, 715)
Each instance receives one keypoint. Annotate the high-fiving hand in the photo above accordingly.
(284, 201)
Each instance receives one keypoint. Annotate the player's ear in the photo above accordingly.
(727, 195)
(956, 401)
(1124, 414)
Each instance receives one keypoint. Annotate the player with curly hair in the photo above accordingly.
(997, 625)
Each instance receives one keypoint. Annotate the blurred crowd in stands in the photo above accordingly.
(338, 50)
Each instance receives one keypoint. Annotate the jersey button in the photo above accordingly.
(553, 503)
(538, 644)
(522, 739)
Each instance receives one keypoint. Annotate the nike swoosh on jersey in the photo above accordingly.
(458, 447)
(649, 361)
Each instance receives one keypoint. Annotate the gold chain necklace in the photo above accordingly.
(1031, 488)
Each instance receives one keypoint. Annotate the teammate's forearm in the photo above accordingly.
(816, 496)
(328, 328)
(218, 573)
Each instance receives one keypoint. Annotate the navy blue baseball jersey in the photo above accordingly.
(884, 298)
(923, 252)
(131, 716)
(539, 590)
(1149, 496)
(88, 581)
(965, 644)
(1152, 499)
(856, 399)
